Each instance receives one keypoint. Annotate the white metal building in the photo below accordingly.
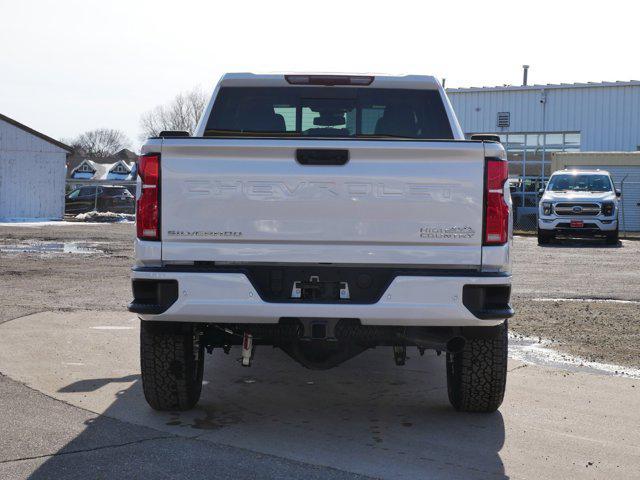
(32, 173)
(536, 121)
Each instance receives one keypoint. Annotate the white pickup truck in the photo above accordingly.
(323, 215)
(578, 203)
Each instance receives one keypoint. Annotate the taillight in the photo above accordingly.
(496, 213)
(329, 80)
(147, 206)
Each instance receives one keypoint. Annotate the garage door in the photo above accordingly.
(627, 180)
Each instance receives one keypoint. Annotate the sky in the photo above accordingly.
(69, 66)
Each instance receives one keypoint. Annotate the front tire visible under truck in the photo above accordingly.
(544, 238)
(477, 375)
(612, 238)
(171, 362)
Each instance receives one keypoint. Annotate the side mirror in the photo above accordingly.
(618, 193)
(541, 192)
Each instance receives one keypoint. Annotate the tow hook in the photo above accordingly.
(247, 349)
(400, 354)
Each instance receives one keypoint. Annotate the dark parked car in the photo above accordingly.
(102, 198)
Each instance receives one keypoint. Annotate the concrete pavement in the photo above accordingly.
(43, 438)
(366, 417)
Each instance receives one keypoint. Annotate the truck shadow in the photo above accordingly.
(367, 416)
(93, 384)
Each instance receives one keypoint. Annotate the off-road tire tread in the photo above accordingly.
(170, 365)
(476, 376)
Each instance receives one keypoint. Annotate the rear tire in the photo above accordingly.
(172, 362)
(544, 238)
(612, 238)
(477, 375)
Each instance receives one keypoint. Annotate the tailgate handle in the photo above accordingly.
(321, 156)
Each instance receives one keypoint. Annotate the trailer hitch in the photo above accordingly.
(400, 354)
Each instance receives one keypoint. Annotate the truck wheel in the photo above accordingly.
(544, 238)
(171, 361)
(612, 238)
(477, 375)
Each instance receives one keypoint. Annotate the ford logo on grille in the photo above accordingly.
(577, 209)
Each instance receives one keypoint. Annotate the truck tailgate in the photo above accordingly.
(393, 202)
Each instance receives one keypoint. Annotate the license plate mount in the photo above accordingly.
(314, 289)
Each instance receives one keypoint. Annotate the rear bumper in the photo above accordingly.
(226, 297)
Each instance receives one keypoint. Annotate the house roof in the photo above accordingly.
(124, 154)
(102, 171)
(35, 133)
(548, 86)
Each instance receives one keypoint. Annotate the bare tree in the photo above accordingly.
(182, 113)
(101, 142)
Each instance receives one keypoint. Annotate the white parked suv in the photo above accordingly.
(579, 203)
(323, 215)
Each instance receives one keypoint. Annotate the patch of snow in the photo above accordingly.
(537, 352)
(47, 248)
(102, 217)
(596, 300)
(34, 223)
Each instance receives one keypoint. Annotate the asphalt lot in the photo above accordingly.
(72, 407)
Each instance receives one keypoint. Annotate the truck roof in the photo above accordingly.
(247, 79)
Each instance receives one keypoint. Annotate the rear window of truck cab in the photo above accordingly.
(329, 112)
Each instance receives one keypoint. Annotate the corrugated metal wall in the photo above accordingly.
(32, 176)
(607, 117)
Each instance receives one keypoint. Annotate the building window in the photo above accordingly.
(120, 169)
(85, 168)
(529, 156)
